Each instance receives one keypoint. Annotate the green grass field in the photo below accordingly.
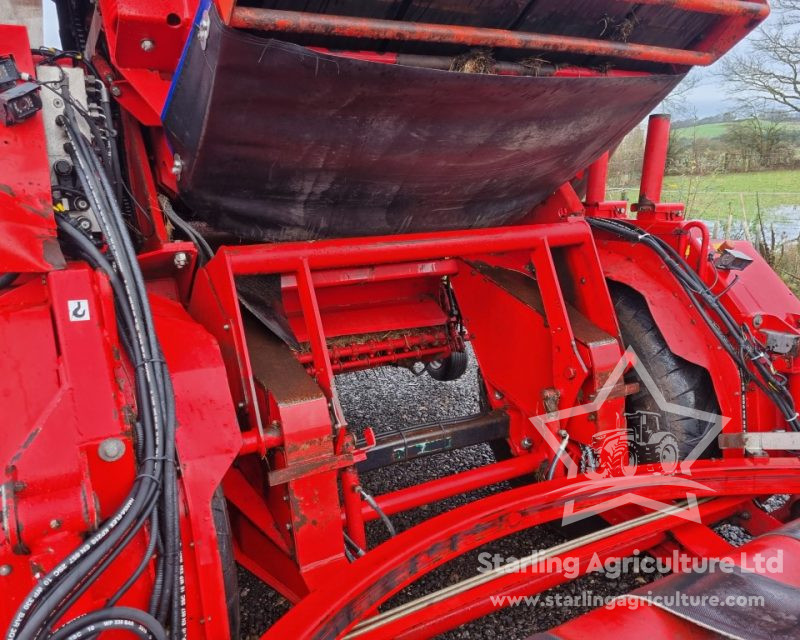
(717, 129)
(740, 195)
(757, 181)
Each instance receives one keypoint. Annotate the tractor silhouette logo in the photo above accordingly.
(642, 444)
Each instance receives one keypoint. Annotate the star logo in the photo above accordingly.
(602, 483)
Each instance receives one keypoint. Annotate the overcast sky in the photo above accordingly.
(707, 99)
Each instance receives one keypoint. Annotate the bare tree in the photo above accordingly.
(677, 103)
(759, 142)
(771, 68)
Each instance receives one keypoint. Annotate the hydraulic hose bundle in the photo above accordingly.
(748, 354)
(153, 498)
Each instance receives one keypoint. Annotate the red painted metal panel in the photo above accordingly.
(27, 227)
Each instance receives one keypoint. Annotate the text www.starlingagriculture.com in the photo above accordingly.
(589, 599)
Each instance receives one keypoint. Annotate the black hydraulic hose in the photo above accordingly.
(137, 283)
(96, 258)
(151, 547)
(171, 558)
(127, 539)
(127, 618)
(203, 247)
(46, 602)
(694, 287)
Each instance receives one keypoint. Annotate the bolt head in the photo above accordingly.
(116, 91)
(5, 569)
(498, 395)
(181, 259)
(147, 44)
(111, 449)
(177, 166)
(55, 524)
(526, 443)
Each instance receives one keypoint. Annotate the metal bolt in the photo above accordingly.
(526, 443)
(55, 524)
(111, 449)
(116, 91)
(288, 526)
(58, 103)
(203, 29)
(177, 166)
(147, 44)
(181, 259)
(226, 327)
(758, 320)
(5, 569)
(498, 395)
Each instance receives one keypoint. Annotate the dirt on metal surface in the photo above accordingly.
(476, 61)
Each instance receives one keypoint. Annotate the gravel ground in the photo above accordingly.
(391, 397)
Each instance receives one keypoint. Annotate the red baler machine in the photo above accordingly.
(210, 210)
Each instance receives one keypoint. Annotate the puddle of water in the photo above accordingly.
(783, 219)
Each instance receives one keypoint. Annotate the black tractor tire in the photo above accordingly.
(451, 368)
(222, 526)
(681, 382)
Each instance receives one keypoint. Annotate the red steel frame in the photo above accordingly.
(376, 29)
(398, 562)
(283, 458)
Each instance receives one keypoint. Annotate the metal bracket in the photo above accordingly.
(309, 468)
(756, 443)
(782, 343)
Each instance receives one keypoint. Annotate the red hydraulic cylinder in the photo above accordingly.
(655, 159)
